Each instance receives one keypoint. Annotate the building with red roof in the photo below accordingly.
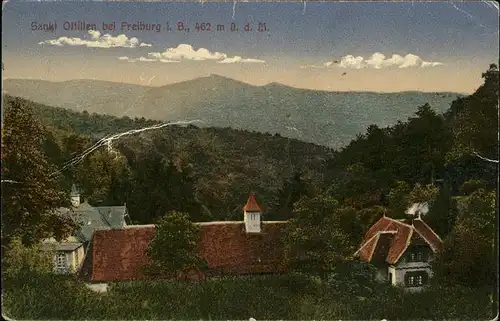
(229, 247)
(401, 250)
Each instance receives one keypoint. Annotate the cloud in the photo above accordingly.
(431, 64)
(97, 40)
(314, 66)
(379, 61)
(186, 52)
(350, 61)
(236, 59)
(144, 59)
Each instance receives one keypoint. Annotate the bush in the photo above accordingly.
(355, 278)
(21, 262)
(231, 298)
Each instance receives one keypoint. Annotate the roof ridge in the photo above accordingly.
(430, 228)
(408, 241)
(104, 217)
(399, 222)
(374, 247)
(365, 243)
(425, 239)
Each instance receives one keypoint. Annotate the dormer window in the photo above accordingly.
(417, 255)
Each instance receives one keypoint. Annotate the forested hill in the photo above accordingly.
(83, 123)
(321, 117)
(207, 172)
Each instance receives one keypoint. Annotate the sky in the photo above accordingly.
(336, 46)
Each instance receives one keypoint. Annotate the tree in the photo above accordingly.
(442, 212)
(175, 245)
(402, 196)
(314, 239)
(290, 193)
(398, 199)
(471, 186)
(104, 178)
(356, 188)
(425, 140)
(474, 120)
(423, 193)
(157, 178)
(28, 205)
(468, 255)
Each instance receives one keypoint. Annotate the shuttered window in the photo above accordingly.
(416, 278)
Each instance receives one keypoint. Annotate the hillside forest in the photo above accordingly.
(449, 160)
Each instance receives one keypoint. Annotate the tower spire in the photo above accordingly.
(252, 215)
(75, 196)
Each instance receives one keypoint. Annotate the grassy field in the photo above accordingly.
(289, 297)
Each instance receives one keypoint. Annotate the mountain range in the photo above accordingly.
(326, 118)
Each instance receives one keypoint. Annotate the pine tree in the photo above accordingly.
(291, 191)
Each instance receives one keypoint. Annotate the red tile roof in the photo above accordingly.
(251, 205)
(121, 254)
(400, 235)
(428, 234)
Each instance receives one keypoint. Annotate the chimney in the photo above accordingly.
(252, 215)
(75, 196)
(416, 211)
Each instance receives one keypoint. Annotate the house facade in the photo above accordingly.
(228, 247)
(70, 253)
(401, 251)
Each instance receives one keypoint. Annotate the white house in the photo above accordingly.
(401, 250)
(68, 255)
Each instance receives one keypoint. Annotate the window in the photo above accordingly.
(420, 256)
(417, 255)
(416, 278)
(61, 262)
(76, 257)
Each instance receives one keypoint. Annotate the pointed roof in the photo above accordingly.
(252, 205)
(400, 235)
(93, 218)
